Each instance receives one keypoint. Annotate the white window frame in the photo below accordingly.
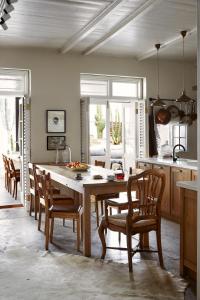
(179, 137)
(110, 79)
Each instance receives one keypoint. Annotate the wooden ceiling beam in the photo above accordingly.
(89, 27)
(138, 12)
(151, 52)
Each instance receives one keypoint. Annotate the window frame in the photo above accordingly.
(126, 79)
(173, 137)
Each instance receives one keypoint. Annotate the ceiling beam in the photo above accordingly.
(90, 26)
(151, 52)
(138, 12)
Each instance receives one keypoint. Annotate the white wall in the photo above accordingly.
(56, 85)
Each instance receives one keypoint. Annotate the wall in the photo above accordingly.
(56, 85)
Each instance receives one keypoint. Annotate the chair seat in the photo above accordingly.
(65, 208)
(106, 196)
(120, 220)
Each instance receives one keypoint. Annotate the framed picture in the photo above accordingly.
(56, 121)
(56, 142)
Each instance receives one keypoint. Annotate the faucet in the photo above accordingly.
(174, 153)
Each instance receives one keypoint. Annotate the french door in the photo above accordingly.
(112, 132)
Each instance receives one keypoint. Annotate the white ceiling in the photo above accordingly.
(108, 27)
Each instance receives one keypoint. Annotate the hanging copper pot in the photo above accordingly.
(162, 116)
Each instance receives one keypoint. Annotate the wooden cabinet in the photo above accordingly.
(194, 175)
(165, 205)
(188, 229)
(177, 174)
(144, 166)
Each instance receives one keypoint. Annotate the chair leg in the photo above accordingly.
(63, 222)
(102, 238)
(51, 230)
(119, 233)
(78, 234)
(81, 227)
(16, 183)
(97, 212)
(159, 245)
(13, 192)
(36, 204)
(129, 248)
(31, 204)
(47, 232)
(40, 216)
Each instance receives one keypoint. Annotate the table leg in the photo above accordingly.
(86, 224)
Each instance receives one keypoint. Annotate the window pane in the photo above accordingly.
(176, 141)
(182, 131)
(124, 89)
(176, 131)
(97, 130)
(94, 87)
(183, 142)
(9, 83)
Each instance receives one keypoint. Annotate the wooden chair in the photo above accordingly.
(142, 218)
(34, 197)
(15, 177)
(102, 198)
(54, 210)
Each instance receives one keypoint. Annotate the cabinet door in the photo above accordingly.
(144, 166)
(165, 204)
(194, 175)
(177, 174)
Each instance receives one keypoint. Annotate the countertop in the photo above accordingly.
(180, 163)
(190, 185)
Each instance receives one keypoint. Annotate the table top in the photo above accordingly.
(87, 176)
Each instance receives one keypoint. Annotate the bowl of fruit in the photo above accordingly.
(77, 166)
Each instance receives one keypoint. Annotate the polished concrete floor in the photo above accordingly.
(19, 230)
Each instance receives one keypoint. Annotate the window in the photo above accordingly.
(124, 89)
(111, 87)
(94, 87)
(172, 134)
(179, 135)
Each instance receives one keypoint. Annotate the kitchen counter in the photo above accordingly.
(180, 163)
(189, 185)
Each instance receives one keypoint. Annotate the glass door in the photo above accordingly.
(98, 132)
(112, 128)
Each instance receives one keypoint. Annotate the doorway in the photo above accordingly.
(14, 135)
(112, 127)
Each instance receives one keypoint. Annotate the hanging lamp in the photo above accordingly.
(158, 101)
(183, 98)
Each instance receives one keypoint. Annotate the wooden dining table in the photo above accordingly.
(87, 186)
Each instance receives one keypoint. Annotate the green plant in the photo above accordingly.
(116, 129)
(99, 122)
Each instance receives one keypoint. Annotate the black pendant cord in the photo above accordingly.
(158, 71)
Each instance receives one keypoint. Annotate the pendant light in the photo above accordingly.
(183, 98)
(158, 101)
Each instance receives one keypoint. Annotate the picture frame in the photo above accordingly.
(56, 142)
(56, 121)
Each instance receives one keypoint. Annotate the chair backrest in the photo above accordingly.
(8, 167)
(99, 163)
(4, 162)
(44, 187)
(32, 179)
(150, 186)
(12, 166)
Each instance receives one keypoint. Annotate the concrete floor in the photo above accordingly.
(6, 198)
(19, 230)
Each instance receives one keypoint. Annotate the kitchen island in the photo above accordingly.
(188, 228)
(181, 170)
